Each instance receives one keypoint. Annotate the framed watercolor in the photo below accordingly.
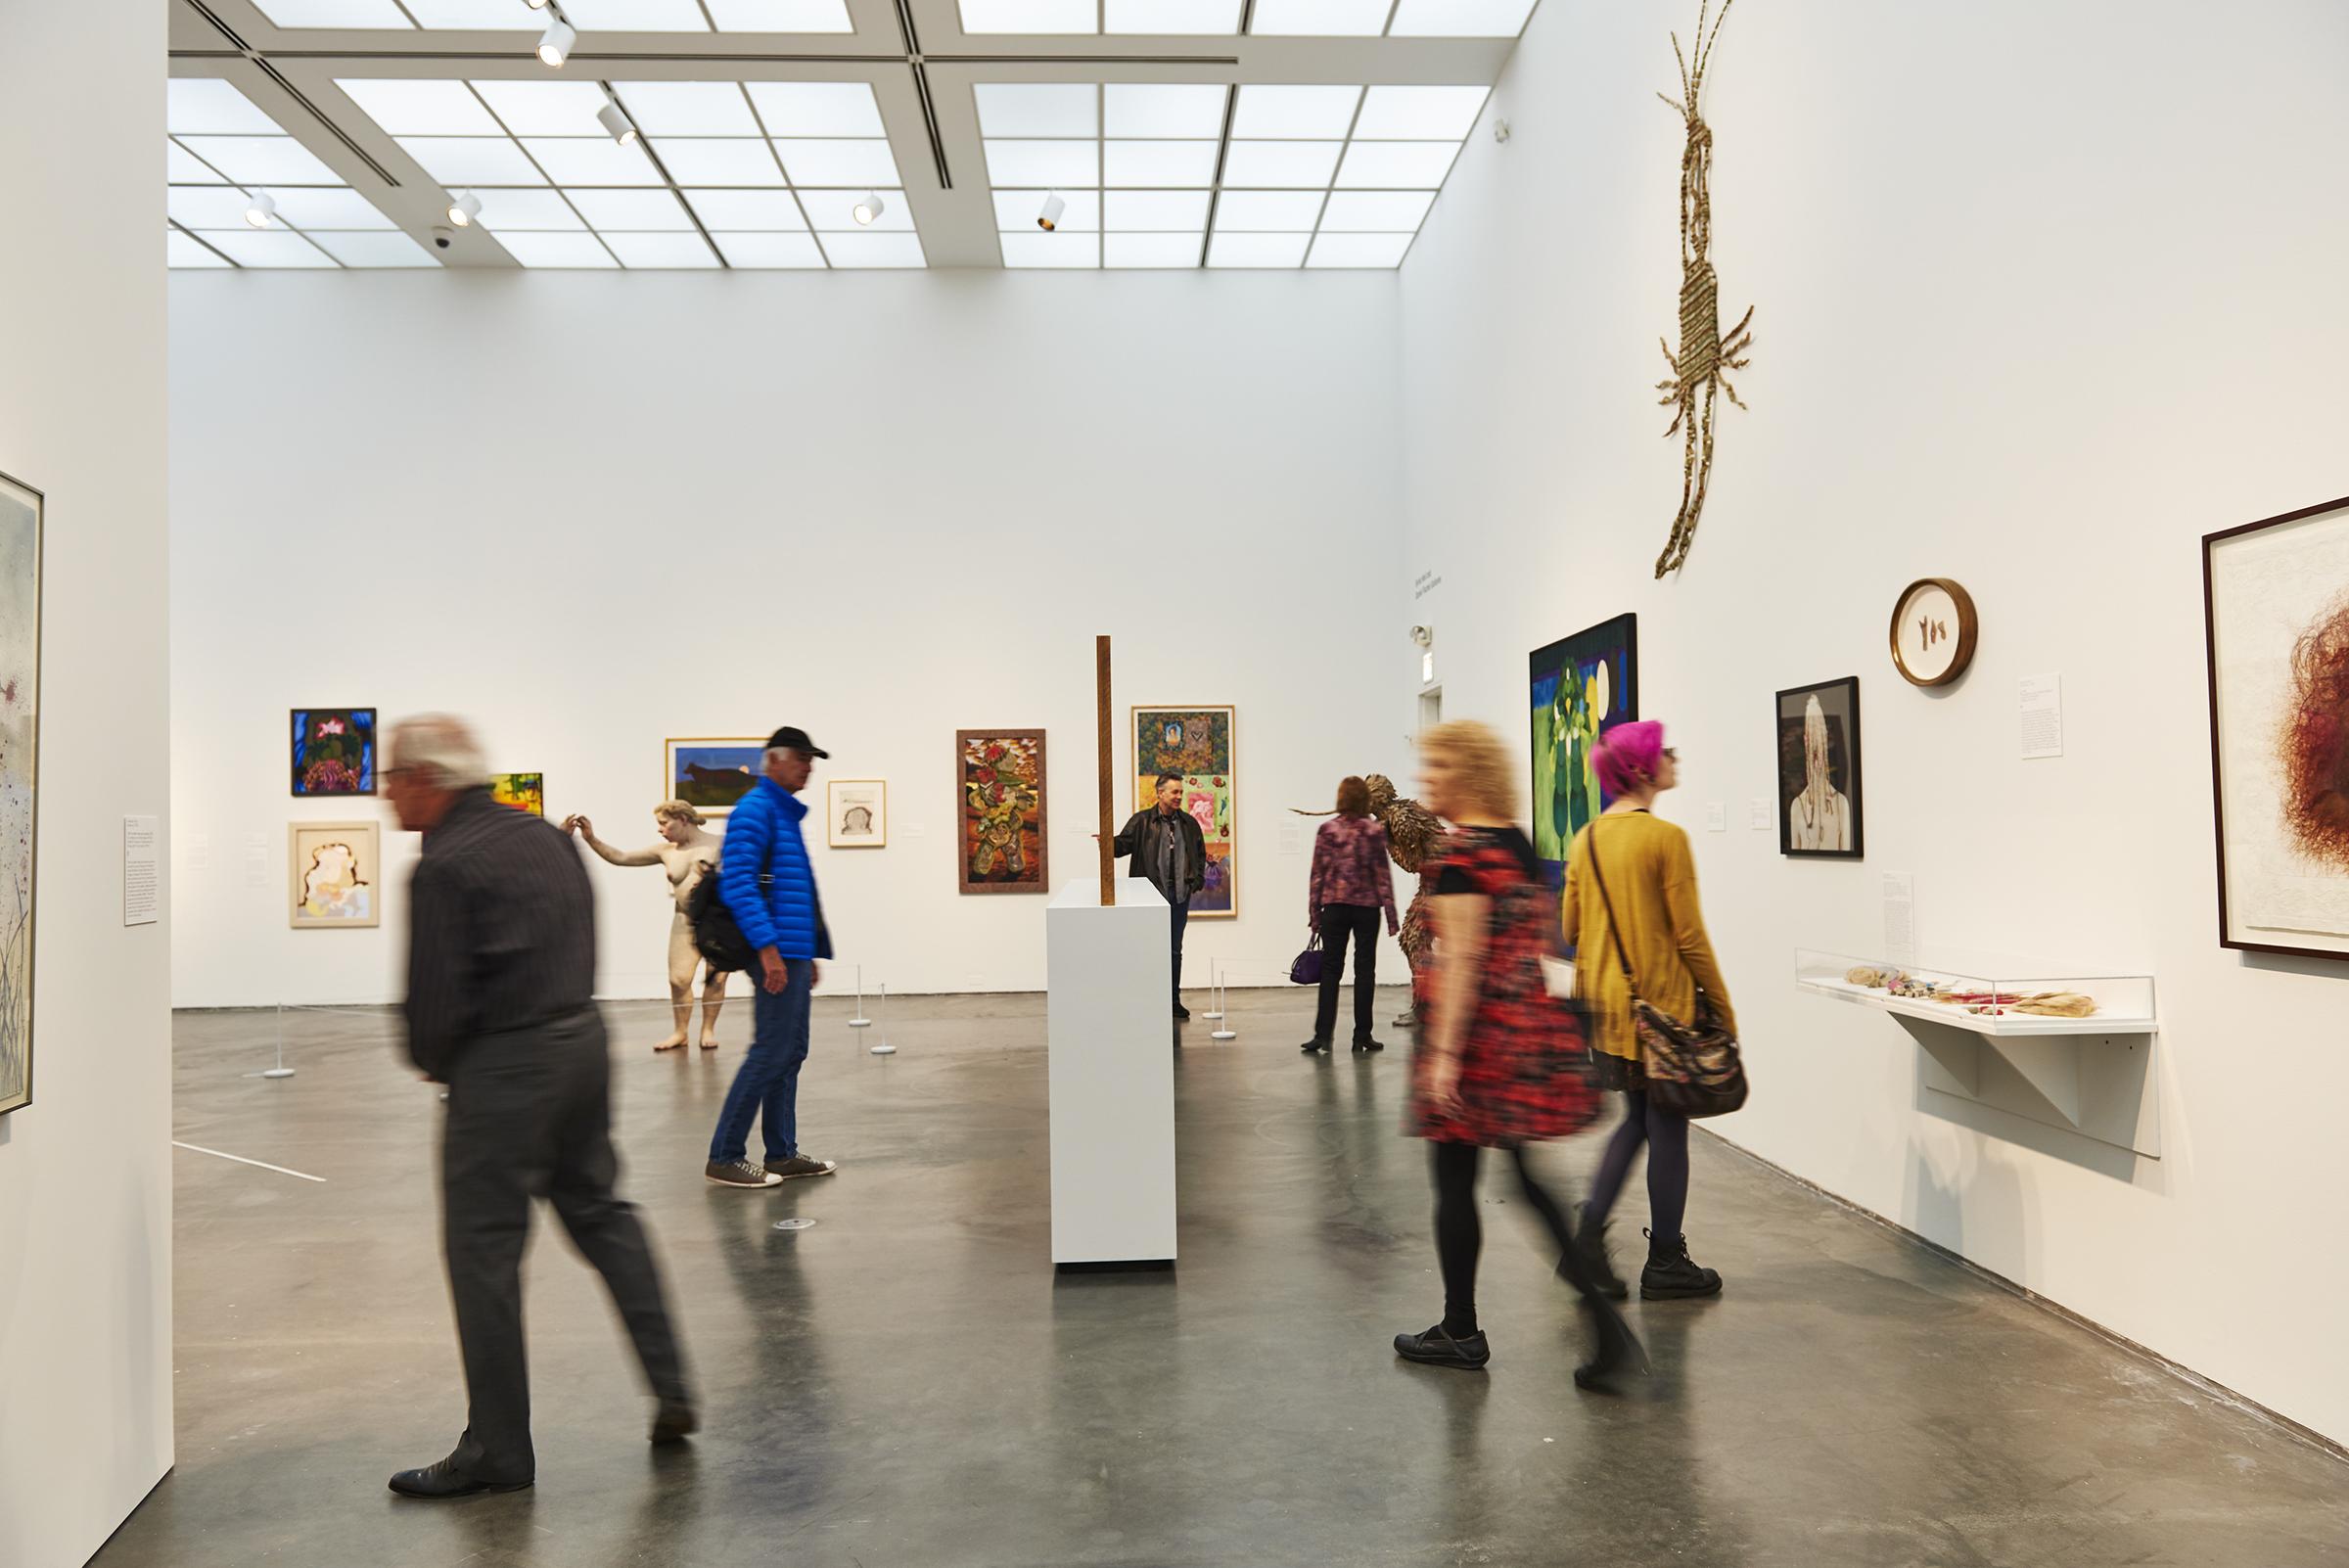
(857, 813)
(1934, 630)
(1821, 812)
(337, 875)
(1196, 743)
(334, 752)
(711, 775)
(1000, 839)
(524, 791)
(21, 517)
(1578, 688)
(2275, 630)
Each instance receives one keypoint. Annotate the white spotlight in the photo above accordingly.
(554, 45)
(868, 207)
(464, 209)
(1048, 219)
(614, 119)
(260, 209)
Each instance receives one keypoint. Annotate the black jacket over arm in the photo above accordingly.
(1130, 839)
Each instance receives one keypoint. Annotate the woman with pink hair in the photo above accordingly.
(1631, 887)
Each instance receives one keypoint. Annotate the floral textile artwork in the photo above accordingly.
(1003, 834)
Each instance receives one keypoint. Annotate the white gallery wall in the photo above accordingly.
(2043, 294)
(592, 512)
(85, 1168)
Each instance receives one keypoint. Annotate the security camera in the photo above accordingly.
(1424, 636)
(443, 236)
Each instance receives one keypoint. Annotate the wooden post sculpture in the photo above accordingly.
(1704, 351)
(1107, 842)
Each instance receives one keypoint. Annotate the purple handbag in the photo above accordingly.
(1307, 970)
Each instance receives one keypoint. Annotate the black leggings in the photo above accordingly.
(1666, 1135)
(1460, 1232)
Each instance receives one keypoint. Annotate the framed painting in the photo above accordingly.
(1820, 808)
(20, 778)
(1196, 743)
(2275, 622)
(525, 792)
(1579, 687)
(1000, 843)
(857, 813)
(334, 751)
(337, 875)
(710, 775)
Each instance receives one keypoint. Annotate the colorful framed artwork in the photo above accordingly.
(1000, 843)
(857, 813)
(1196, 743)
(337, 875)
(710, 775)
(524, 791)
(1579, 687)
(19, 779)
(334, 751)
(2276, 619)
(1820, 808)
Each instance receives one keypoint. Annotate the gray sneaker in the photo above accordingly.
(802, 1165)
(740, 1173)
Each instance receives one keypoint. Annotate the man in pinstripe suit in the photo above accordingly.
(501, 966)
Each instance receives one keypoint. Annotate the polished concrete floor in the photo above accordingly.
(906, 1383)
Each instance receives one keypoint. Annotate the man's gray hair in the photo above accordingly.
(442, 743)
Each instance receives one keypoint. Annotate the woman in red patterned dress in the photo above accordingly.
(1500, 1062)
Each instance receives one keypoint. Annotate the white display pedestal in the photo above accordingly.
(1107, 973)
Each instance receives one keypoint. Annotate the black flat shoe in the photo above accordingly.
(1369, 1045)
(443, 1479)
(1434, 1348)
(675, 1421)
(1314, 1046)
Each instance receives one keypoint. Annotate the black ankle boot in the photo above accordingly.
(1619, 1351)
(1590, 1245)
(1670, 1276)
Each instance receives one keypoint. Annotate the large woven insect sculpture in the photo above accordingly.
(1704, 352)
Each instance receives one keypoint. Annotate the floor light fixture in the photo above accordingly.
(868, 207)
(554, 45)
(614, 119)
(464, 209)
(1048, 219)
(261, 209)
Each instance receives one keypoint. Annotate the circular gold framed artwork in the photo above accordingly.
(1933, 631)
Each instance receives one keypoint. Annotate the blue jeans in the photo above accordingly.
(767, 1084)
(1182, 916)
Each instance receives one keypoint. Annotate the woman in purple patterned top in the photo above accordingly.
(1349, 890)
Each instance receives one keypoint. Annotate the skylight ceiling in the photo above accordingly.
(224, 154)
(1313, 175)
(608, 16)
(1272, 19)
(763, 175)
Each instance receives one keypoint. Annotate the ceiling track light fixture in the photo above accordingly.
(554, 45)
(536, 5)
(1048, 219)
(464, 209)
(615, 120)
(261, 209)
(868, 207)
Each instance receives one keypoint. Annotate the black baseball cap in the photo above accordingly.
(792, 738)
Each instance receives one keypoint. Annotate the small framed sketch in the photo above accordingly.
(334, 751)
(337, 875)
(711, 775)
(857, 813)
(524, 791)
(1819, 770)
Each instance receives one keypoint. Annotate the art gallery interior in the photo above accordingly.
(1371, 355)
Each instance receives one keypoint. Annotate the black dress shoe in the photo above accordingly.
(1434, 1348)
(444, 1480)
(1316, 1045)
(1182, 1012)
(675, 1421)
(1366, 1043)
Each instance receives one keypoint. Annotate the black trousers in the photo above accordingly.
(530, 1115)
(1339, 922)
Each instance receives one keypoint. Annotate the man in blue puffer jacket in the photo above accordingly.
(766, 879)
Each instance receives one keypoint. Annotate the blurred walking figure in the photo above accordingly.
(501, 959)
(1500, 1063)
(1640, 868)
(1349, 889)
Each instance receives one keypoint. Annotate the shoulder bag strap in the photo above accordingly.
(1614, 928)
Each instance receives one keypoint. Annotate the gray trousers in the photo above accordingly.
(530, 1115)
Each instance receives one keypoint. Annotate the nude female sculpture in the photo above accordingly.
(687, 853)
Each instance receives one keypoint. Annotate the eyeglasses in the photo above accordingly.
(1672, 754)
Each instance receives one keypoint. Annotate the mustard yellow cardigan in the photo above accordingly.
(1651, 877)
